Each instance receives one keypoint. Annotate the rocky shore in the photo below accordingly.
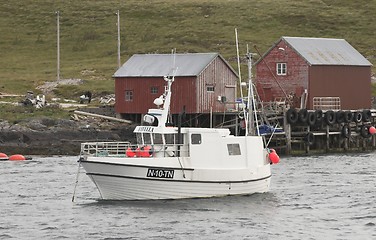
(58, 137)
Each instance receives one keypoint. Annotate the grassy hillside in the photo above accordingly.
(89, 33)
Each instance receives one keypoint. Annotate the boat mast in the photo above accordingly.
(251, 99)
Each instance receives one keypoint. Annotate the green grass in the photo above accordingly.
(89, 33)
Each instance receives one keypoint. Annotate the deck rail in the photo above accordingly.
(126, 149)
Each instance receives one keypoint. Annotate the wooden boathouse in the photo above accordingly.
(204, 84)
(314, 72)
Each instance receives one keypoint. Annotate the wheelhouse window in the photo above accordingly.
(281, 69)
(233, 149)
(196, 138)
(157, 138)
(173, 138)
(128, 95)
(153, 90)
(210, 88)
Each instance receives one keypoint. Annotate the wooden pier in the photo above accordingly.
(322, 131)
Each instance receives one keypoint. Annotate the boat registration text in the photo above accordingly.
(160, 173)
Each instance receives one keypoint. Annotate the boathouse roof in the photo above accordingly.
(325, 51)
(159, 65)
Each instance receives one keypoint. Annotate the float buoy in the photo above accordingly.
(273, 156)
(292, 116)
(358, 117)
(309, 139)
(346, 131)
(3, 157)
(330, 117)
(303, 115)
(348, 116)
(366, 115)
(340, 116)
(17, 157)
(365, 132)
(372, 130)
(312, 118)
(130, 152)
(319, 116)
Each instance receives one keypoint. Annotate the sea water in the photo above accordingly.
(311, 197)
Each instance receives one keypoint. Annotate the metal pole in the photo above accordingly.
(118, 29)
(58, 46)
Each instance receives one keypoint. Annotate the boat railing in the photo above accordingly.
(125, 149)
(99, 149)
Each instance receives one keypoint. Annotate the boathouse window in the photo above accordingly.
(210, 88)
(196, 138)
(233, 149)
(128, 95)
(154, 90)
(281, 68)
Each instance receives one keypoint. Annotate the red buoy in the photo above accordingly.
(273, 156)
(130, 153)
(17, 157)
(372, 130)
(3, 157)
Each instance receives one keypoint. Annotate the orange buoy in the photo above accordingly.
(130, 153)
(3, 157)
(273, 156)
(372, 130)
(17, 157)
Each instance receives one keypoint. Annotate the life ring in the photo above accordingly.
(312, 119)
(319, 116)
(292, 116)
(348, 116)
(303, 115)
(366, 114)
(364, 131)
(358, 116)
(340, 116)
(330, 117)
(309, 138)
(346, 131)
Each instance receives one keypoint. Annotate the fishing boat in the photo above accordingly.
(174, 162)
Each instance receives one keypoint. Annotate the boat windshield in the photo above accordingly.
(157, 139)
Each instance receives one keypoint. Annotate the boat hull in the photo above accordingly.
(132, 182)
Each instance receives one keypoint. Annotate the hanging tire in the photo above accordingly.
(330, 117)
(292, 116)
(340, 116)
(346, 131)
(303, 116)
(358, 116)
(348, 116)
(309, 138)
(366, 114)
(319, 116)
(364, 131)
(311, 119)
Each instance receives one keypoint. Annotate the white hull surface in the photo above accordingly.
(130, 182)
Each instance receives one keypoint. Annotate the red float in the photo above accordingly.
(3, 157)
(372, 130)
(273, 156)
(17, 157)
(130, 153)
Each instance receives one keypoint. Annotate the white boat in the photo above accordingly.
(177, 162)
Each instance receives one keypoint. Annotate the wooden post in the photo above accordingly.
(307, 142)
(327, 138)
(287, 128)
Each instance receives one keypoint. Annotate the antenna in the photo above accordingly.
(240, 83)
